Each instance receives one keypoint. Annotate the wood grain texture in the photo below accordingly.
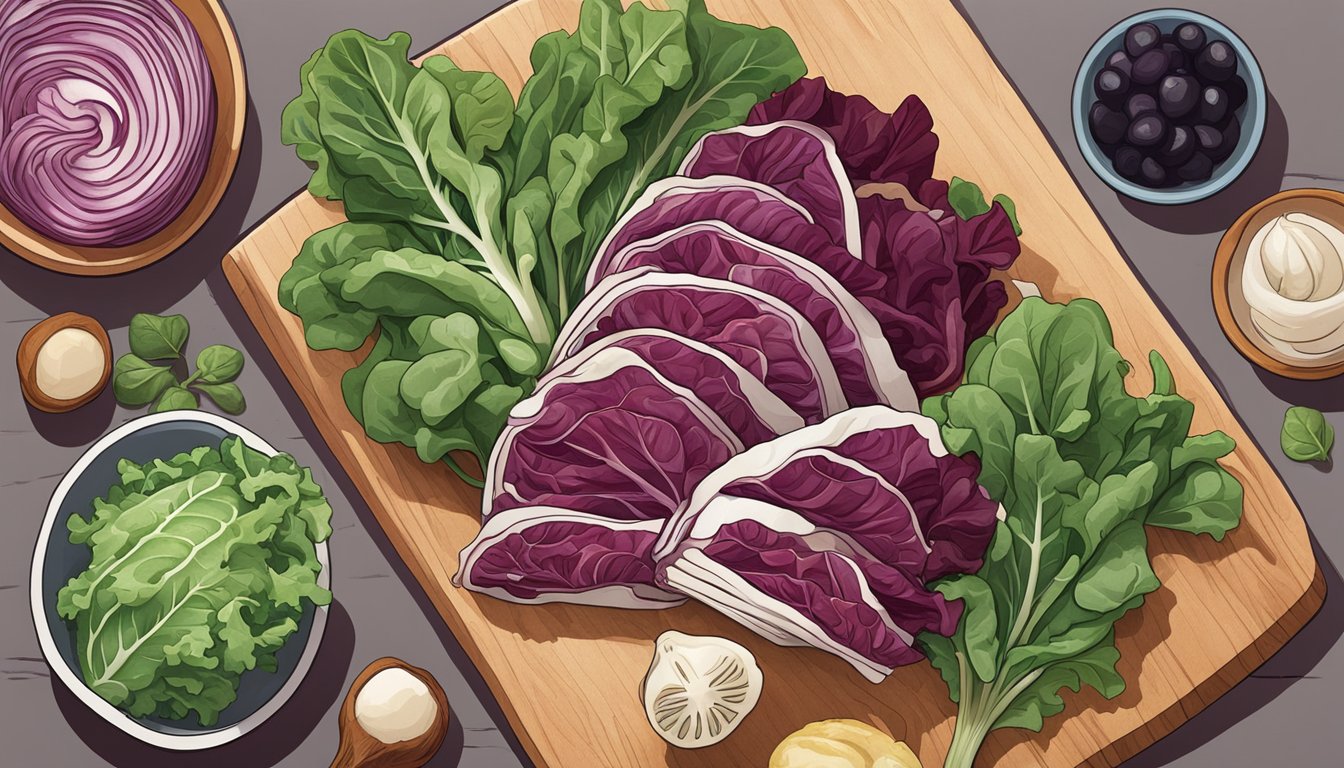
(567, 676)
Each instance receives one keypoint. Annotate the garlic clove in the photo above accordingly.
(699, 689)
(1300, 260)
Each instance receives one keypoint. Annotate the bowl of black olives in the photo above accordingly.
(1169, 106)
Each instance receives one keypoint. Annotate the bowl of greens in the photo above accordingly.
(181, 577)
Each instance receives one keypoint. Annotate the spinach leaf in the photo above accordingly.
(218, 363)
(156, 337)
(136, 382)
(1306, 435)
(1080, 466)
(175, 398)
(227, 396)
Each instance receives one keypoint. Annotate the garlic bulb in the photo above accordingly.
(699, 689)
(1299, 258)
(1293, 282)
(841, 744)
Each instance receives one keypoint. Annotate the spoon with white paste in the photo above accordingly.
(394, 716)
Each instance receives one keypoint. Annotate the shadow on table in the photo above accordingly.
(1262, 178)
(112, 300)
(265, 746)
(1293, 662)
(261, 356)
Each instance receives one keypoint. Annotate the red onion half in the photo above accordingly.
(107, 112)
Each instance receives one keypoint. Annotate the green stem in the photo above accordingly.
(967, 736)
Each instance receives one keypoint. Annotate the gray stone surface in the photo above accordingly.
(1284, 714)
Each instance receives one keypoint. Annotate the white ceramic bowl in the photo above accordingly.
(55, 561)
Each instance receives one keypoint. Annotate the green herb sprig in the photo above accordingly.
(137, 382)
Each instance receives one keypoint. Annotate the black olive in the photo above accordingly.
(1236, 92)
(1119, 60)
(1178, 95)
(1111, 86)
(1213, 105)
(1151, 173)
(1216, 63)
(1138, 103)
(1178, 148)
(1190, 36)
(1231, 136)
(1127, 161)
(1149, 67)
(1141, 37)
(1198, 168)
(1147, 130)
(1175, 56)
(1108, 126)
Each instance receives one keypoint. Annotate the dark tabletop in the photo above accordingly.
(1285, 714)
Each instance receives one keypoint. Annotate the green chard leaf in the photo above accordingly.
(464, 206)
(156, 337)
(1080, 467)
(1306, 434)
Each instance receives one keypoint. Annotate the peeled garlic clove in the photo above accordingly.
(699, 689)
(1300, 259)
(841, 744)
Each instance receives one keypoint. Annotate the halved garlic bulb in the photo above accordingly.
(698, 689)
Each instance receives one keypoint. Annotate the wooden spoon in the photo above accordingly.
(360, 750)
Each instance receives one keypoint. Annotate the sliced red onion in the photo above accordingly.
(107, 113)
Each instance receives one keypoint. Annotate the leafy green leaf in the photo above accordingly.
(198, 569)
(1080, 466)
(1010, 208)
(136, 382)
(175, 398)
(1306, 435)
(156, 337)
(218, 363)
(966, 198)
(227, 396)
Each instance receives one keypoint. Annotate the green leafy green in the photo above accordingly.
(1306, 435)
(968, 201)
(472, 219)
(156, 337)
(218, 363)
(1080, 467)
(201, 567)
(136, 382)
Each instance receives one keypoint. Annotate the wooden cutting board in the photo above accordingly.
(567, 677)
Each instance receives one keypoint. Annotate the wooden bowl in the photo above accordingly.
(1228, 300)
(226, 69)
(27, 360)
(360, 750)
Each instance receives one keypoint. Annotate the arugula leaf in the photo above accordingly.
(155, 337)
(1306, 435)
(1080, 466)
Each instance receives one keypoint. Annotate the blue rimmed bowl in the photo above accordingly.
(56, 560)
(1251, 115)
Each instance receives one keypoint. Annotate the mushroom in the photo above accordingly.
(64, 362)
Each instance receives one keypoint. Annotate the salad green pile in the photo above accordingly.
(1080, 467)
(472, 218)
(200, 568)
